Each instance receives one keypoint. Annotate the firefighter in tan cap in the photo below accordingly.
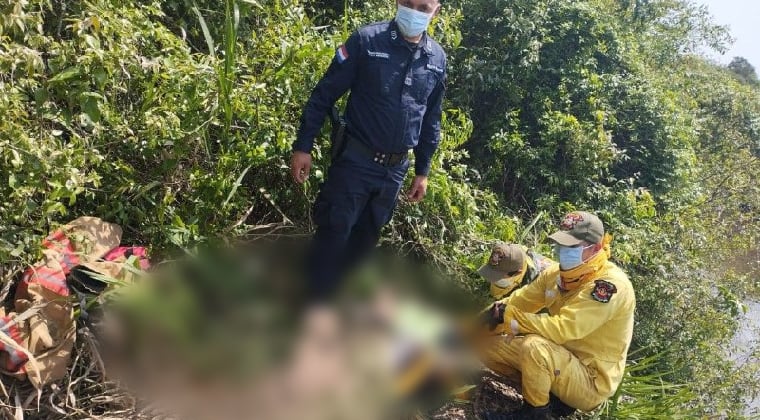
(511, 266)
(576, 348)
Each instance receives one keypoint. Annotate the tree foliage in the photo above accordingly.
(175, 119)
(743, 70)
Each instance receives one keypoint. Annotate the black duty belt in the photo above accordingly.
(381, 158)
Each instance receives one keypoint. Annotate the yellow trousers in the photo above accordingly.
(543, 367)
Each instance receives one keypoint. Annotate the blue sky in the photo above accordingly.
(743, 18)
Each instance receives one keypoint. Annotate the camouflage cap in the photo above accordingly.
(578, 227)
(507, 260)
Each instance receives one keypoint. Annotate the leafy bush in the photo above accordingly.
(175, 119)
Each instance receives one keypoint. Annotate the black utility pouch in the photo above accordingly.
(338, 135)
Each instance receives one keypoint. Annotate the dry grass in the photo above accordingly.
(86, 391)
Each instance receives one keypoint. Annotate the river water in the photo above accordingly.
(747, 338)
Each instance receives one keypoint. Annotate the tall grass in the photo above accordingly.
(226, 69)
(227, 72)
(645, 394)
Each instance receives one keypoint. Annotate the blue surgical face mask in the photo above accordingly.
(570, 257)
(412, 22)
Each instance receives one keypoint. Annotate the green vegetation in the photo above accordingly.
(174, 119)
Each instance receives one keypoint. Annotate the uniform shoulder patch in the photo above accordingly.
(341, 54)
(603, 291)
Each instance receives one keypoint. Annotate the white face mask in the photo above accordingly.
(570, 257)
(412, 22)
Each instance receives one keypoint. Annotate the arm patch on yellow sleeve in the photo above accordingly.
(603, 291)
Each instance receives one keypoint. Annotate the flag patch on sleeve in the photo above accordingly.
(341, 54)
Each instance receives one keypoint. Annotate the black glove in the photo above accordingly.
(495, 315)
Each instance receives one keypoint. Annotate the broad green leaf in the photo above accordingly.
(68, 74)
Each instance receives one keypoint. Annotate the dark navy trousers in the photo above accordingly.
(353, 204)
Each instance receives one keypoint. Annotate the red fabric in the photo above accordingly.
(52, 279)
(16, 358)
(127, 251)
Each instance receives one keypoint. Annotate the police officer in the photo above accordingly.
(576, 347)
(396, 74)
(511, 266)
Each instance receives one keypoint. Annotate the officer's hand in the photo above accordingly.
(419, 189)
(495, 315)
(300, 165)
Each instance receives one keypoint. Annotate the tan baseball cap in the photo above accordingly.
(578, 227)
(506, 262)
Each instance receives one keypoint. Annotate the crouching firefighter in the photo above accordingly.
(511, 266)
(574, 351)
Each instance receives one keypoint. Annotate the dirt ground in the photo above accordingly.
(494, 394)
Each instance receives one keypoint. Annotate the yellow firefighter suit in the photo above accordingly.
(577, 351)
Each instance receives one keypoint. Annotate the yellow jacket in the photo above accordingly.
(594, 322)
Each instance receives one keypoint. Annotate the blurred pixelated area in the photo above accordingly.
(227, 333)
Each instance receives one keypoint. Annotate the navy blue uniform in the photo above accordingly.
(394, 106)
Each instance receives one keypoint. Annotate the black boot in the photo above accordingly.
(559, 409)
(527, 412)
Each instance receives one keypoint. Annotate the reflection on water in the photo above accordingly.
(745, 340)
